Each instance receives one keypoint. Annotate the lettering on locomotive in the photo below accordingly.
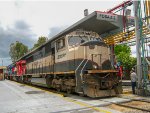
(61, 56)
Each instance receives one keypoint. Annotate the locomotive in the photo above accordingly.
(76, 62)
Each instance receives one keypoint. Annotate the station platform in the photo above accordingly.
(20, 98)
(126, 82)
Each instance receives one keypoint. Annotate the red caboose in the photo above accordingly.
(21, 67)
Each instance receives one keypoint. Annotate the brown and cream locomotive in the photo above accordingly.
(76, 62)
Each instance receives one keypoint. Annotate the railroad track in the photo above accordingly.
(133, 107)
(140, 106)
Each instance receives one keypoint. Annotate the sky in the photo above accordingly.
(26, 20)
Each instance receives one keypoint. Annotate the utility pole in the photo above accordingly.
(2, 62)
(3, 59)
(138, 46)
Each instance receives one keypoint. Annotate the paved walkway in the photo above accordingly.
(19, 98)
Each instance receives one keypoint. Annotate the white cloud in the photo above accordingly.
(21, 32)
(43, 15)
(133, 51)
(147, 50)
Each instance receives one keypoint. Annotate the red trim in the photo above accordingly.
(106, 13)
(118, 6)
(20, 65)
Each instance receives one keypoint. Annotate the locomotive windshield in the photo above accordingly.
(77, 40)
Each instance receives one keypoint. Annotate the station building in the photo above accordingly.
(2, 72)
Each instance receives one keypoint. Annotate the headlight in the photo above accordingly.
(95, 66)
(91, 46)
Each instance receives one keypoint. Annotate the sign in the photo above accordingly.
(107, 17)
(61, 55)
(128, 12)
(130, 21)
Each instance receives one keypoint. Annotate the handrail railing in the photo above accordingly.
(77, 69)
(84, 65)
(83, 68)
(80, 64)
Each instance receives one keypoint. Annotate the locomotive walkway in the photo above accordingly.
(20, 98)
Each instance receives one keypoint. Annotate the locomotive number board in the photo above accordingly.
(107, 17)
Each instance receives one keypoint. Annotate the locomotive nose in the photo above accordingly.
(97, 54)
(93, 53)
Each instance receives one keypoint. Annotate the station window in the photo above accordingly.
(60, 44)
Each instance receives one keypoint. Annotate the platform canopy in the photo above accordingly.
(99, 22)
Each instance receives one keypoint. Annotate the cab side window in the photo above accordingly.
(60, 44)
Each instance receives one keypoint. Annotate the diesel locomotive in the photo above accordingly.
(76, 62)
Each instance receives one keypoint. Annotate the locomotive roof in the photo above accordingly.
(89, 23)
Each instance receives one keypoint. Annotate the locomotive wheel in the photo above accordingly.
(59, 89)
(24, 79)
(69, 91)
(49, 82)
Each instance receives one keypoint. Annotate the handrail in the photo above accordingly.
(80, 65)
(84, 66)
(78, 68)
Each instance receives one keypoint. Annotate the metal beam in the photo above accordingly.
(123, 36)
(118, 6)
(138, 47)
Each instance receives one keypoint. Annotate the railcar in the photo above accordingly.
(76, 62)
(2, 72)
(11, 72)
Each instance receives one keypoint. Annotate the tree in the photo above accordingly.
(126, 60)
(123, 55)
(17, 50)
(40, 41)
(122, 48)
